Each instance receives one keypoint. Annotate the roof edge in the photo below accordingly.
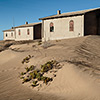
(28, 25)
(68, 14)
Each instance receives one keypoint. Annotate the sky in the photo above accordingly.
(17, 12)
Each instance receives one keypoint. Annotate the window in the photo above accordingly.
(71, 25)
(12, 34)
(51, 27)
(28, 31)
(6, 34)
(19, 32)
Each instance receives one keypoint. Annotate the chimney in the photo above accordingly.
(26, 22)
(58, 12)
(12, 27)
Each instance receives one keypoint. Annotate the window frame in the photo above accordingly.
(19, 32)
(71, 26)
(11, 34)
(51, 27)
(28, 31)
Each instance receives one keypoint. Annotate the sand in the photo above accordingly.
(78, 79)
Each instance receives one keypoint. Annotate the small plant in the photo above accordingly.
(29, 56)
(38, 76)
(22, 61)
(26, 80)
(26, 60)
(21, 77)
(47, 66)
(27, 69)
(32, 67)
(32, 75)
(22, 73)
(35, 82)
(47, 79)
(36, 71)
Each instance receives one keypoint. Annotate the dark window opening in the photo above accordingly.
(6, 34)
(51, 27)
(28, 31)
(12, 34)
(71, 25)
(19, 32)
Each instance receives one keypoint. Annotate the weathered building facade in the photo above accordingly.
(9, 34)
(60, 26)
(24, 32)
(69, 25)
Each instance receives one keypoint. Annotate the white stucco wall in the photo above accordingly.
(24, 35)
(9, 36)
(61, 28)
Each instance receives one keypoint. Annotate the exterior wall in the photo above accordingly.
(37, 31)
(99, 25)
(61, 28)
(92, 23)
(9, 35)
(23, 33)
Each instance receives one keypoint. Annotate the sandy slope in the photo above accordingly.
(77, 80)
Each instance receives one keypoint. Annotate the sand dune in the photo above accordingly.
(78, 79)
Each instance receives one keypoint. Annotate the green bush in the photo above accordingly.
(47, 66)
(37, 75)
(26, 59)
(32, 75)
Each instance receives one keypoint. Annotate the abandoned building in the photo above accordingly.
(60, 26)
(72, 24)
(9, 34)
(24, 32)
